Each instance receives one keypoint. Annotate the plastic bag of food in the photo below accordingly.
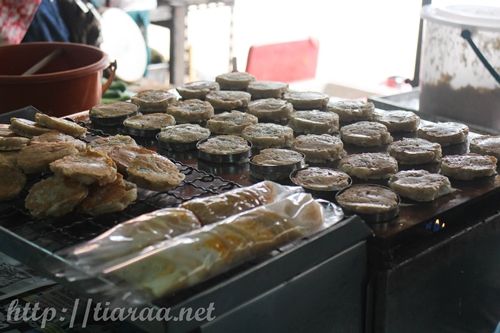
(218, 207)
(203, 253)
(131, 237)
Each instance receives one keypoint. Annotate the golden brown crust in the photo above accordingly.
(61, 125)
(26, 128)
(112, 197)
(13, 143)
(86, 167)
(36, 158)
(154, 172)
(108, 143)
(59, 137)
(54, 197)
(12, 181)
(123, 156)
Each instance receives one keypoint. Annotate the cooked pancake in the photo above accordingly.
(319, 148)
(468, 166)
(197, 89)
(154, 172)
(321, 179)
(223, 100)
(415, 151)
(60, 125)
(234, 80)
(265, 135)
(420, 185)
(267, 89)
(108, 143)
(5, 131)
(113, 110)
(366, 134)
(149, 122)
(12, 181)
(36, 158)
(87, 167)
(224, 145)
(445, 134)
(486, 145)
(314, 122)
(26, 128)
(231, 122)
(151, 101)
(54, 196)
(59, 137)
(398, 120)
(123, 156)
(13, 143)
(368, 199)
(352, 110)
(369, 165)
(184, 133)
(276, 156)
(191, 111)
(306, 100)
(271, 110)
(9, 157)
(112, 197)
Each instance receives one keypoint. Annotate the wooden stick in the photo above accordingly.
(43, 62)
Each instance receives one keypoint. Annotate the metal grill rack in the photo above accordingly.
(54, 234)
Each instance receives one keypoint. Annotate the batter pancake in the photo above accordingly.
(366, 134)
(445, 134)
(420, 185)
(319, 148)
(415, 151)
(369, 165)
(233, 122)
(469, 166)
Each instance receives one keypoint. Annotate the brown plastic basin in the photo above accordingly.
(70, 83)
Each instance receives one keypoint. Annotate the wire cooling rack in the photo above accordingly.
(54, 234)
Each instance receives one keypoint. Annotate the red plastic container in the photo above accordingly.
(70, 83)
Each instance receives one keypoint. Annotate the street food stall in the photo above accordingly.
(285, 210)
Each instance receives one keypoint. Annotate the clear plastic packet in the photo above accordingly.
(130, 238)
(218, 207)
(194, 257)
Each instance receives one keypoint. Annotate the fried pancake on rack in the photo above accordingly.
(26, 128)
(123, 156)
(108, 143)
(110, 198)
(314, 122)
(36, 158)
(54, 196)
(5, 131)
(191, 111)
(154, 172)
(87, 167)
(59, 137)
(12, 180)
(150, 101)
(267, 89)
(468, 166)
(13, 143)
(351, 110)
(9, 157)
(226, 100)
(231, 122)
(397, 120)
(61, 125)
